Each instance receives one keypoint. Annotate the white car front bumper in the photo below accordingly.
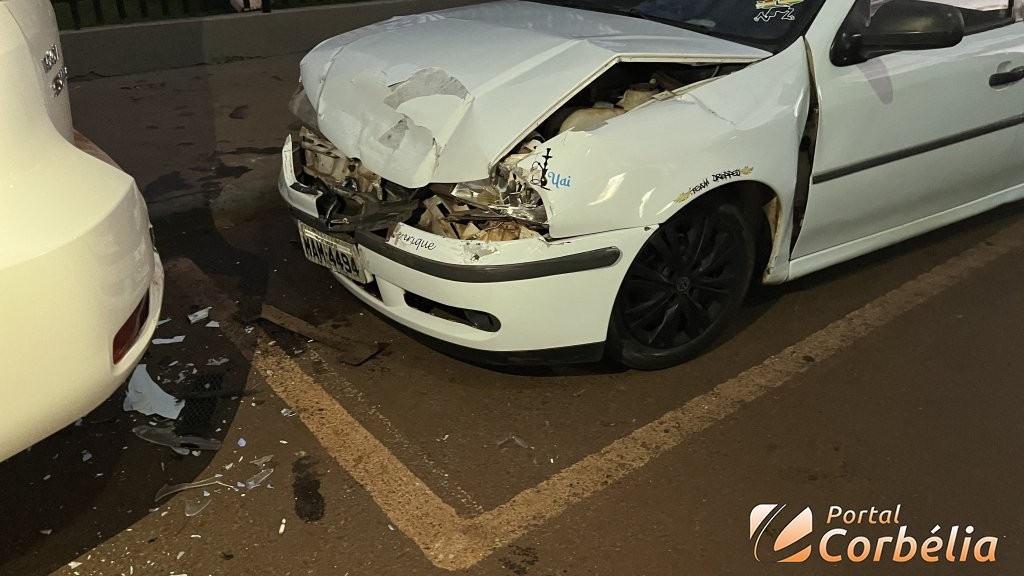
(534, 300)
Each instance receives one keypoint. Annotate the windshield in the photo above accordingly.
(767, 24)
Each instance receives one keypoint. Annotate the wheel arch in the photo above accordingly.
(761, 205)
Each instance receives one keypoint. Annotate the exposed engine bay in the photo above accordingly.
(504, 207)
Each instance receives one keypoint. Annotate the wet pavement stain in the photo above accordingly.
(264, 151)
(309, 503)
(222, 171)
(166, 183)
(520, 560)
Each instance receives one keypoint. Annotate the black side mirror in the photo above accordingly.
(898, 25)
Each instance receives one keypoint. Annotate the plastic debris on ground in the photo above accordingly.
(166, 436)
(86, 455)
(287, 412)
(174, 340)
(515, 440)
(167, 490)
(280, 529)
(199, 315)
(217, 361)
(213, 324)
(262, 461)
(241, 442)
(146, 397)
(258, 478)
(162, 322)
(193, 507)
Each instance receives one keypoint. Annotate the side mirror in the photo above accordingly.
(898, 25)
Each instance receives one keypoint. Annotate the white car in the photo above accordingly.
(532, 182)
(80, 282)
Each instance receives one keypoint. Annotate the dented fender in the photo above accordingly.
(640, 168)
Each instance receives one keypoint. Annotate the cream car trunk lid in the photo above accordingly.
(35, 18)
(441, 97)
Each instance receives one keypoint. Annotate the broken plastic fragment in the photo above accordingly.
(514, 439)
(258, 478)
(241, 442)
(280, 529)
(262, 461)
(199, 315)
(47, 532)
(217, 361)
(168, 490)
(175, 340)
(166, 436)
(286, 412)
(164, 321)
(193, 507)
(74, 565)
(86, 455)
(145, 397)
(213, 324)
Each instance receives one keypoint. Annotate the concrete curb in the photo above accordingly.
(132, 48)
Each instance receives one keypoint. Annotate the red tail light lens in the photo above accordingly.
(129, 332)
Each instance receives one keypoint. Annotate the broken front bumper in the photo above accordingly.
(520, 301)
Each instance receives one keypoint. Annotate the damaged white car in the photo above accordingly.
(557, 181)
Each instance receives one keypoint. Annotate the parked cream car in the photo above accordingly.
(80, 282)
(522, 181)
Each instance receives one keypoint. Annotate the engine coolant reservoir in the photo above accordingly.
(590, 118)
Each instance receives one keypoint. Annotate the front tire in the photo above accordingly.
(683, 288)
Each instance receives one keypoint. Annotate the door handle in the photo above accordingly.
(1003, 78)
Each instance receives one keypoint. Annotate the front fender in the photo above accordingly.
(642, 167)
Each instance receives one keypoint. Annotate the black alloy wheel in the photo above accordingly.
(683, 288)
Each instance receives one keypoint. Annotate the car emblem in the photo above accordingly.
(59, 81)
(50, 58)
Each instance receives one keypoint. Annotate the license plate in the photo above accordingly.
(331, 253)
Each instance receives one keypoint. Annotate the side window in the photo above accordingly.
(979, 15)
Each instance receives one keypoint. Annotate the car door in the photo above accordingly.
(912, 140)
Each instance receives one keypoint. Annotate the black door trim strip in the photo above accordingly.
(828, 175)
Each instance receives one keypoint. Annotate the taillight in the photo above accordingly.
(129, 332)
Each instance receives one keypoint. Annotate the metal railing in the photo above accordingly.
(84, 13)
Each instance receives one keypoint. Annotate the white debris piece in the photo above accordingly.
(164, 321)
(74, 565)
(175, 340)
(213, 324)
(217, 361)
(145, 397)
(199, 315)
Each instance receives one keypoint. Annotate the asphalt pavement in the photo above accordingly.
(889, 381)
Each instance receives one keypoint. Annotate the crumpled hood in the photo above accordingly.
(440, 97)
